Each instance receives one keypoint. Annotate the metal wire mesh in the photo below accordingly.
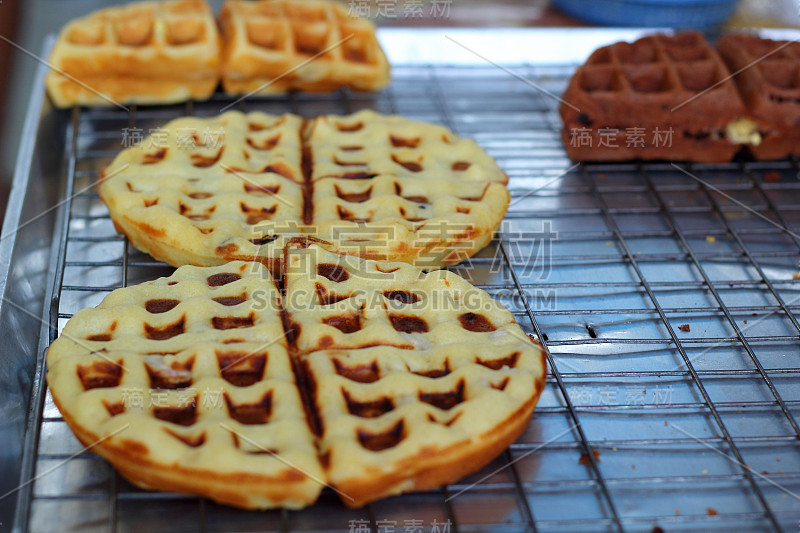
(666, 308)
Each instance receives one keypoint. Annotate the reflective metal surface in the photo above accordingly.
(668, 310)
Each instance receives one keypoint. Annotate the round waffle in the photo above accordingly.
(372, 378)
(379, 187)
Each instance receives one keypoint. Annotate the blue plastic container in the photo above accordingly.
(698, 14)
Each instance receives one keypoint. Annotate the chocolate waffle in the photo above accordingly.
(143, 53)
(661, 97)
(271, 46)
(379, 187)
(210, 382)
(768, 76)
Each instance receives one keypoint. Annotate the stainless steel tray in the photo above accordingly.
(645, 422)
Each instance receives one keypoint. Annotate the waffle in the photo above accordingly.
(378, 187)
(429, 417)
(143, 53)
(271, 46)
(219, 414)
(342, 302)
(624, 100)
(402, 368)
(243, 400)
(769, 80)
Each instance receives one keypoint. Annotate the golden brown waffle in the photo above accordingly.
(198, 195)
(400, 367)
(185, 384)
(396, 420)
(271, 46)
(768, 77)
(237, 402)
(144, 53)
(345, 303)
(624, 100)
(379, 187)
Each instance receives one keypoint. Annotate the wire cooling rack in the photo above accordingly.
(666, 306)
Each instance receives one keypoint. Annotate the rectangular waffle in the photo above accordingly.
(146, 53)
(620, 103)
(768, 76)
(271, 46)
